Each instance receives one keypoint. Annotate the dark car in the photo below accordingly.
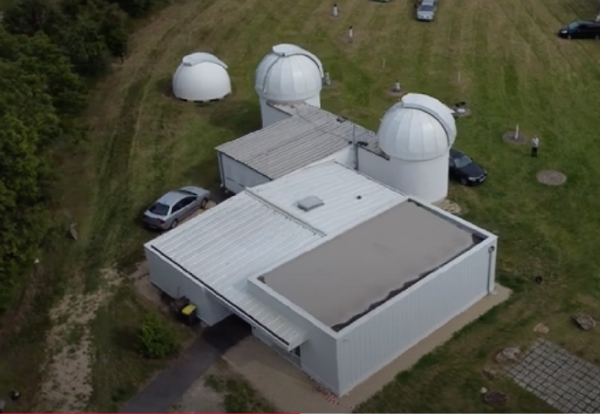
(581, 30)
(464, 170)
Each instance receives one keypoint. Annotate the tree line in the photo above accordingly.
(50, 52)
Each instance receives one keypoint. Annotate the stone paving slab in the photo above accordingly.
(566, 382)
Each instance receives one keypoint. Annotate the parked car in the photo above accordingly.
(169, 210)
(426, 10)
(464, 170)
(581, 30)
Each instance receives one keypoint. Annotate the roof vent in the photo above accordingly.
(341, 119)
(310, 203)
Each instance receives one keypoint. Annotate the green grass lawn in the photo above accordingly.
(513, 70)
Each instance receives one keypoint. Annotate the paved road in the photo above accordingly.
(168, 386)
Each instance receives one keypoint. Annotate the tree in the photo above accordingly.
(135, 8)
(88, 32)
(157, 340)
(38, 55)
(32, 16)
(114, 31)
(26, 119)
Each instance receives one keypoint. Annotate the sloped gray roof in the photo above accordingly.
(309, 135)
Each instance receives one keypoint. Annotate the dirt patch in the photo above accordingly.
(514, 137)
(67, 372)
(551, 177)
(396, 94)
(142, 284)
(450, 207)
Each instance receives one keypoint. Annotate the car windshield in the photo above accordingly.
(426, 8)
(462, 161)
(574, 25)
(159, 209)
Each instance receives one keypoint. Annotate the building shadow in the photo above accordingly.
(164, 86)
(239, 117)
(227, 333)
(218, 194)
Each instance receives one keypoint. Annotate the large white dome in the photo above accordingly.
(417, 128)
(201, 77)
(289, 74)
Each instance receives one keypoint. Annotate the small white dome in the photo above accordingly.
(201, 77)
(289, 74)
(417, 128)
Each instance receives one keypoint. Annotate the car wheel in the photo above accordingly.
(174, 224)
(597, 37)
(463, 181)
(203, 203)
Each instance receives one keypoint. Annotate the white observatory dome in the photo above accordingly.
(417, 128)
(417, 134)
(201, 77)
(289, 74)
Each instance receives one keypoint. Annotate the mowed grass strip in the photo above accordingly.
(519, 72)
(513, 70)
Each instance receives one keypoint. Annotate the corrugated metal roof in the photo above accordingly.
(309, 135)
(232, 241)
(252, 232)
(349, 197)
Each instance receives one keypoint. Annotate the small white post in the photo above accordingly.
(335, 12)
(517, 132)
(327, 79)
(350, 33)
(396, 86)
(459, 77)
(598, 18)
(383, 63)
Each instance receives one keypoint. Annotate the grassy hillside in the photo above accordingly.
(512, 70)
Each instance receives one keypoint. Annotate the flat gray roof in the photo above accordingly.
(348, 276)
(308, 136)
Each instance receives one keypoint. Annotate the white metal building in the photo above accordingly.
(304, 135)
(409, 152)
(337, 272)
(287, 75)
(201, 77)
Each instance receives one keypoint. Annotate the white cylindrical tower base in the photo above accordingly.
(271, 115)
(426, 180)
(315, 101)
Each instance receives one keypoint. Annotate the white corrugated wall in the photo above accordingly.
(236, 176)
(416, 313)
(171, 280)
(318, 352)
(271, 115)
(426, 180)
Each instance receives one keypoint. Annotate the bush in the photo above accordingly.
(157, 339)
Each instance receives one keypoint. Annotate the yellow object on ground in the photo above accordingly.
(188, 310)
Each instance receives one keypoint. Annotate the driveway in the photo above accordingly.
(168, 386)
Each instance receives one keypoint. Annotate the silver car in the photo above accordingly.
(426, 10)
(169, 210)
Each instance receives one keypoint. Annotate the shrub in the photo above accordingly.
(157, 339)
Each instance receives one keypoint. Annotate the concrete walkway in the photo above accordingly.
(291, 390)
(168, 386)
